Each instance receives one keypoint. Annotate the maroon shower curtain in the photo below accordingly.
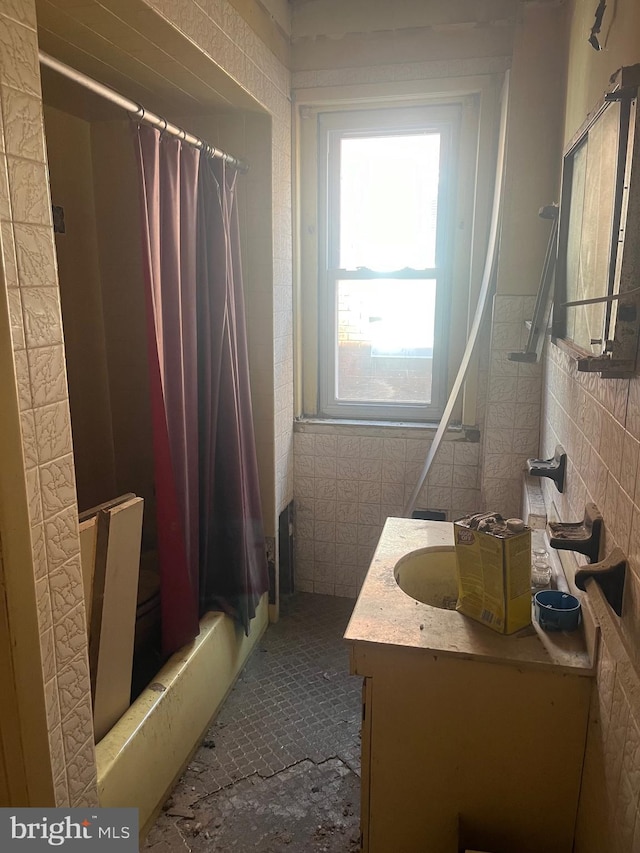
(233, 566)
(211, 548)
(169, 176)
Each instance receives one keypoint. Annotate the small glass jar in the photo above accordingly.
(540, 572)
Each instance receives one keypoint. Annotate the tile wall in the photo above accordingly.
(348, 480)
(28, 257)
(598, 423)
(512, 417)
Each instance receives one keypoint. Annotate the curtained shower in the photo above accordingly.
(210, 536)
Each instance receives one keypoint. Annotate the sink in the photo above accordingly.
(429, 576)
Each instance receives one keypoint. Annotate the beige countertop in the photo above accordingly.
(386, 616)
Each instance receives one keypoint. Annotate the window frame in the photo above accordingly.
(620, 343)
(333, 126)
(478, 98)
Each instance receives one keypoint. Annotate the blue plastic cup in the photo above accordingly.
(556, 611)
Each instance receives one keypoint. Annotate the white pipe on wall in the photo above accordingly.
(483, 300)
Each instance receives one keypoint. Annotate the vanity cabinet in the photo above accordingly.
(462, 727)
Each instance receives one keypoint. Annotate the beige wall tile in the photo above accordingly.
(73, 684)
(19, 53)
(23, 127)
(42, 319)
(56, 747)
(35, 255)
(23, 380)
(62, 790)
(66, 589)
(29, 441)
(5, 200)
(81, 770)
(61, 534)
(34, 496)
(48, 655)
(48, 376)
(9, 255)
(28, 191)
(58, 484)
(15, 317)
(53, 430)
(44, 604)
(23, 13)
(70, 635)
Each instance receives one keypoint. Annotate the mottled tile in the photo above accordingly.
(35, 255)
(48, 655)
(23, 124)
(23, 379)
(394, 448)
(23, 13)
(58, 485)
(15, 318)
(29, 439)
(370, 469)
(325, 466)
(9, 255)
(348, 446)
(369, 492)
(61, 534)
(303, 466)
(53, 431)
(70, 634)
(325, 489)
(325, 445)
(42, 317)
(347, 490)
(5, 199)
(81, 771)
(48, 375)
(77, 727)
(19, 66)
(28, 191)
(392, 471)
(56, 749)
(304, 444)
(34, 496)
(66, 589)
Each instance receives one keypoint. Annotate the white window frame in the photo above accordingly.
(332, 128)
(478, 99)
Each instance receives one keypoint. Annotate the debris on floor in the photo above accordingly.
(279, 768)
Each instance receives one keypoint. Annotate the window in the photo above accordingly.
(386, 183)
(392, 221)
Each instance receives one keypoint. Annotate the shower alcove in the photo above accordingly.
(94, 192)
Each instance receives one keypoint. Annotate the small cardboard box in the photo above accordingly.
(494, 573)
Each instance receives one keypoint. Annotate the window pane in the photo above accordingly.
(389, 201)
(385, 340)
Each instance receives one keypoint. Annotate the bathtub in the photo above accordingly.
(141, 757)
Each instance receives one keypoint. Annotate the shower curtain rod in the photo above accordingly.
(139, 111)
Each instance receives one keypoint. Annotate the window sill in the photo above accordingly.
(400, 429)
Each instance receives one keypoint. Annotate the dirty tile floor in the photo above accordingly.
(279, 768)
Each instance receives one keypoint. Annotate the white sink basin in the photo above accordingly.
(429, 576)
